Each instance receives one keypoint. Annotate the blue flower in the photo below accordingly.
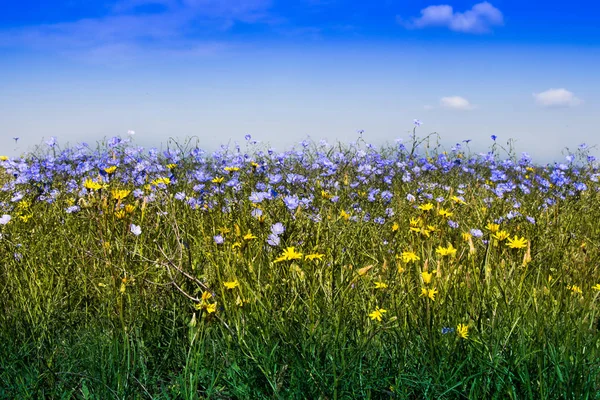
(273, 240)
(218, 239)
(278, 228)
(5, 219)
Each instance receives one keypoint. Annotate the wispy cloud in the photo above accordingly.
(176, 27)
(456, 103)
(479, 19)
(555, 98)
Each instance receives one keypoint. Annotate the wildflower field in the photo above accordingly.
(329, 271)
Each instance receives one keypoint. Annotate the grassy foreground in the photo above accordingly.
(324, 272)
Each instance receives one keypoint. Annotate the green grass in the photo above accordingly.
(88, 310)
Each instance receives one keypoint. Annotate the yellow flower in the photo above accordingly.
(211, 308)
(110, 169)
(415, 222)
(425, 207)
(457, 200)
(492, 227)
(462, 331)
(206, 295)
(3, 158)
(314, 256)
(90, 184)
(129, 208)
(596, 287)
(231, 285)
(326, 195)
(446, 251)
(289, 254)
(431, 294)
(395, 227)
(120, 214)
(218, 180)
(408, 256)
(249, 236)
(517, 243)
(445, 213)
(575, 289)
(171, 166)
(163, 180)
(501, 235)
(120, 194)
(377, 314)
(380, 285)
(466, 236)
(426, 277)
(345, 215)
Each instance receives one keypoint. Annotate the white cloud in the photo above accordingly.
(556, 98)
(479, 19)
(456, 103)
(180, 27)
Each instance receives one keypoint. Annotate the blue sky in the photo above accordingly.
(217, 70)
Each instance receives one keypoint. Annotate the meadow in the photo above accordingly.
(328, 271)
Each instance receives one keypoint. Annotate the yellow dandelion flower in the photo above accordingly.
(206, 295)
(90, 184)
(575, 289)
(163, 180)
(425, 207)
(289, 254)
(445, 213)
(431, 294)
(345, 215)
(501, 235)
(596, 287)
(231, 169)
(381, 285)
(466, 236)
(211, 308)
(457, 199)
(314, 256)
(395, 227)
(446, 251)
(492, 227)
(3, 158)
(517, 243)
(231, 285)
(111, 169)
(426, 277)
(249, 236)
(377, 314)
(408, 256)
(171, 166)
(218, 180)
(462, 331)
(120, 194)
(415, 222)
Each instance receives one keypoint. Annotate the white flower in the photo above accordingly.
(5, 219)
(135, 229)
(130, 132)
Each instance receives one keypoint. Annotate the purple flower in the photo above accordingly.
(180, 196)
(72, 209)
(218, 239)
(135, 229)
(530, 219)
(5, 219)
(273, 240)
(51, 142)
(417, 122)
(278, 228)
(476, 233)
(452, 224)
(291, 202)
